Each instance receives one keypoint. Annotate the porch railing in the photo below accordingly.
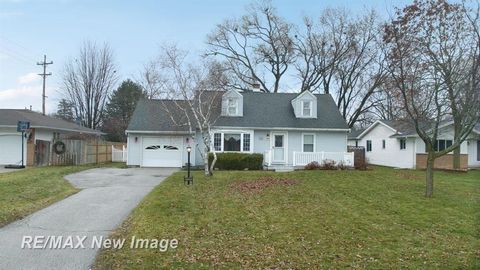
(303, 158)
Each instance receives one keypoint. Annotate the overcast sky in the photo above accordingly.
(134, 29)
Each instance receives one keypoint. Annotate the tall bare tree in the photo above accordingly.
(193, 94)
(88, 80)
(421, 82)
(257, 48)
(150, 80)
(342, 55)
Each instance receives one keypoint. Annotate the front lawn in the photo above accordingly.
(375, 219)
(26, 191)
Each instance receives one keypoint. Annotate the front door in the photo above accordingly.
(279, 149)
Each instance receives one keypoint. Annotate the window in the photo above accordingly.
(369, 146)
(232, 106)
(308, 142)
(403, 144)
(170, 147)
(383, 144)
(307, 108)
(231, 142)
(246, 142)
(441, 145)
(217, 141)
(278, 141)
(153, 147)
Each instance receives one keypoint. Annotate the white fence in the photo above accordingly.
(119, 155)
(303, 158)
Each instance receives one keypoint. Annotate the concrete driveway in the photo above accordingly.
(107, 197)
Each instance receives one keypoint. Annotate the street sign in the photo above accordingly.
(23, 126)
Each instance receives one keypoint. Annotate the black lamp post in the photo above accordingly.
(187, 180)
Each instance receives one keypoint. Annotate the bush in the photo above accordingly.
(312, 166)
(329, 164)
(237, 161)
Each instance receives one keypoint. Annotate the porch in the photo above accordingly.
(300, 159)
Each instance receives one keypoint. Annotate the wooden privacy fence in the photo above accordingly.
(78, 152)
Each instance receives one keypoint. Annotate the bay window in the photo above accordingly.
(231, 142)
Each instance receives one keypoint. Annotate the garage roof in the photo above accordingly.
(10, 117)
(261, 110)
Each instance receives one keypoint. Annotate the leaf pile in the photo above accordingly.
(260, 184)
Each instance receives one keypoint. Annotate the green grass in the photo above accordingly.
(26, 191)
(375, 219)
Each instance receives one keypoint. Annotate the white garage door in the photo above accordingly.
(162, 152)
(10, 149)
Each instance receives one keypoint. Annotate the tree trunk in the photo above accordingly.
(456, 158)
(205, 161)
(429, 176)
(212, 166)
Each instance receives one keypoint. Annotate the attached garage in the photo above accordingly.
(11, 149)
(165, 151)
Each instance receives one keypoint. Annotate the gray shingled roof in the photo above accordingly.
(10, 117)
(260, 110)
(354, 133)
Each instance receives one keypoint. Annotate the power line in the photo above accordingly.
(44, 76)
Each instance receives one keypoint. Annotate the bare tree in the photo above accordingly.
(342, 56)
(420, 81)
(88, 81)
(193, 95)
(256, 48)
(150, 80)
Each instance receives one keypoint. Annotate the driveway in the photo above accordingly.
(4, 170)
(107, 197)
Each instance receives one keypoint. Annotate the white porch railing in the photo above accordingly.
(119, 155)
(267, 158)
(303, 158)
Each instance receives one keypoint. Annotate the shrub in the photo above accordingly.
(329, 164)
(312, 166)
(237, 161)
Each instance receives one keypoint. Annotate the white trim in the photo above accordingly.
(159, 132)
(310, 102)
(372, 126)
(235, 131)
(233, 90)
(284, 128)
(304, 93)
(61, 129)
(314, 142)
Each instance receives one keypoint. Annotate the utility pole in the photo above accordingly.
(44, 75)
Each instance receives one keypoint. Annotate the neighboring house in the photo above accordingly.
(396, 144)
(352, 137)
(288, 129)
(38, 140)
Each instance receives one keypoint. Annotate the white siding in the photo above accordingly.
(297, 104)
(392, 155)
(473, 160)
(135, 148)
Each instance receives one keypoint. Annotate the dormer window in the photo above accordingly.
(307, 108)
(232, 106)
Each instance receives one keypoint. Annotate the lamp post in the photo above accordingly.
(187, 180)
